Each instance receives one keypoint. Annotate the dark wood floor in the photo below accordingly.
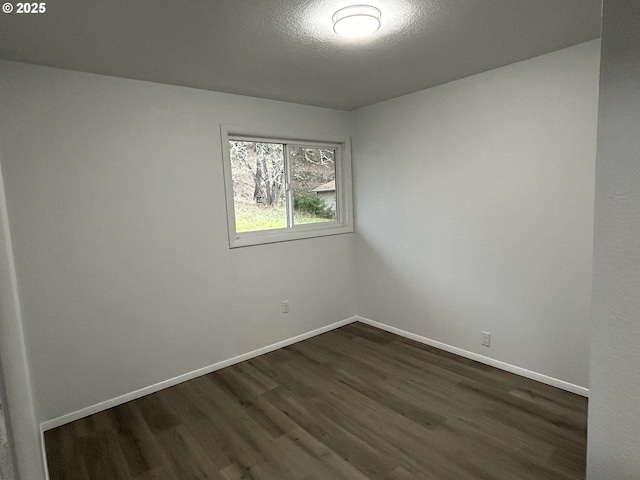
(355, 403)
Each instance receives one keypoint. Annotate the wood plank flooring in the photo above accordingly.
(355, 403)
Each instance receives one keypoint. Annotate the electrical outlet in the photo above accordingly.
(285, 306)
(486, 339)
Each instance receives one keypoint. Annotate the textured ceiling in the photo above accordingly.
(287, 50)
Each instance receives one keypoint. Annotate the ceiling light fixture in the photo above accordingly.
(356, 21)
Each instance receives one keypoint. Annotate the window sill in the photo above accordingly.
(246, 239)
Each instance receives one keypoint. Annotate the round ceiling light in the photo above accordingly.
(356, 21)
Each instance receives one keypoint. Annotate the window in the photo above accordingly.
(281, 188)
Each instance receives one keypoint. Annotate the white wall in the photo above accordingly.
(115, 194)
(24, 432)
(474, 211)
(614, 407)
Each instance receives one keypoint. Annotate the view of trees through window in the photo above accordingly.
(279, 187)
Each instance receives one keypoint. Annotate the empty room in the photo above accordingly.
(317, 240)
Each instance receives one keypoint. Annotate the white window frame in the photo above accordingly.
(344, 203)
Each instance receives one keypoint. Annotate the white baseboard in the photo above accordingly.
(85, 412)
(70, 417)
(554, 382)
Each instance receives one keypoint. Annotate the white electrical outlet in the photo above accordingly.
(285, 306)
(486, 339)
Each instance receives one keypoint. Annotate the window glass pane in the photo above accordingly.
(313, 184)
(257, 171)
